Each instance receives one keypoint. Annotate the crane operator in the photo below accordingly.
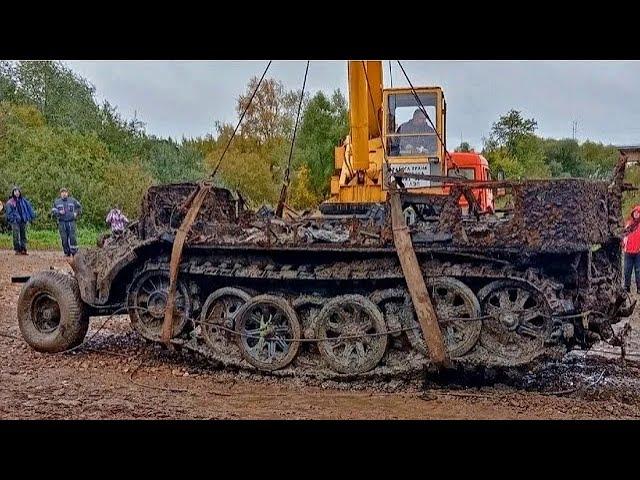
(420, 140)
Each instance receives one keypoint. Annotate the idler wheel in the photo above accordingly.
(268, 332)
(353, 334)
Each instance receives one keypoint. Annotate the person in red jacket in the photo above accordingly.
(631, 244)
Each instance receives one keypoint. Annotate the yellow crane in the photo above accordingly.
(375, 114)
(388, 124)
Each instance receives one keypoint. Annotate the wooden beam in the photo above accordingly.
(425, 312)
(176, 256)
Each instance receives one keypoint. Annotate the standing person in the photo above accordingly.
(631, 244)
(117, 221)
(67, 209)
(19, 212)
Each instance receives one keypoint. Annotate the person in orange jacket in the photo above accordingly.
(631, 247)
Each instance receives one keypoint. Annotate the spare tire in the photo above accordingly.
(51, 315)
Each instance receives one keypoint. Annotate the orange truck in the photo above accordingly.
(472, 166)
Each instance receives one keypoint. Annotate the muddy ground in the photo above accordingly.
(117, 375)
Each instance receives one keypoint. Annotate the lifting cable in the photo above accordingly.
(192, 205)
(240, 120)
(287, 174)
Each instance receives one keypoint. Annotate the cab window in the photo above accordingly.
(409, 132)
(468, 173)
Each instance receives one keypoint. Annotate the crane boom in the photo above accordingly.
(359, 116)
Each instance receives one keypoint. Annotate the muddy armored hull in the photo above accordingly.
(325, 295)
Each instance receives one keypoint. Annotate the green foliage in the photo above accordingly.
(246, 172)
(42, 158)
(63, 98)
(324, 125)
(509, 130)
(53, 134)
(514, 148)
(632, 198)
(170, 162)
(302, 195)
(463, 147)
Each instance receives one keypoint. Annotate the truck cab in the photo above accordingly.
(472, 166)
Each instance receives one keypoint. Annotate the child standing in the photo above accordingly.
(117, 221)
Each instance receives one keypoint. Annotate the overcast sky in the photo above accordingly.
(185, 98)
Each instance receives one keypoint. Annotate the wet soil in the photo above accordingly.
(117, 375)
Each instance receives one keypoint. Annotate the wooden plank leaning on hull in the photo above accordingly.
(427, 317)
(176, 255)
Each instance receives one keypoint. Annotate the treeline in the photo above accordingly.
(53, 133)
(514, 148)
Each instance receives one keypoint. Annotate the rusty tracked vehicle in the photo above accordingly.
(325, 295)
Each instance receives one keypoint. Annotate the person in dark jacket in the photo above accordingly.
(417, 128)
(19, 212)
(66, 210)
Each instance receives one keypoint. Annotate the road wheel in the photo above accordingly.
(352, 334)
(147, 301)
(269, 332)
(220, 310)
(451, 299)
(520, 321)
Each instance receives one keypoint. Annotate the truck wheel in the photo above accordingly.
(51, 314)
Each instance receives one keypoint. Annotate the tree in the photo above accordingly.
(324, 125)
(7, 81)
(64, 98)
(271, 113)
(509, 130)
(599, 159)
(464, 147)
(171, 162)
(42, 158)
(268, 123)
(301, 195)
(564, 154)
(514, 148)
(243, 168)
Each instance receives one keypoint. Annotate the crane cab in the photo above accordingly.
(411, 142)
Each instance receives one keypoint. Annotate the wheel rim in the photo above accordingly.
(45, 312)
(148, 301)
(519, 325)
(220, 309)
(352, 335)
(268, 333)
(451, 299)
